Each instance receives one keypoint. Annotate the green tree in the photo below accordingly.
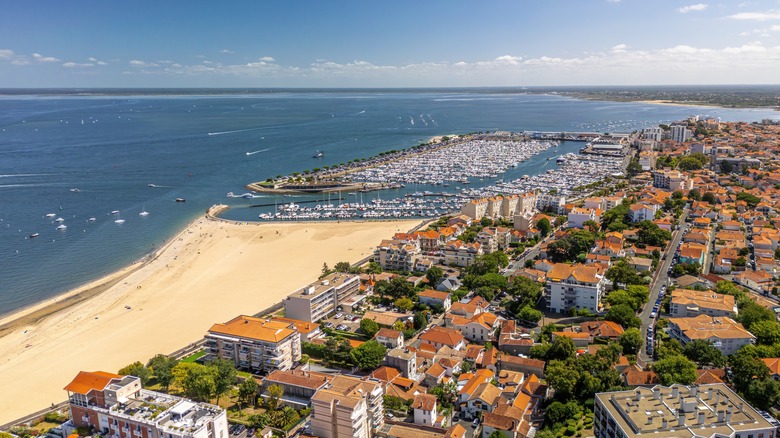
(275, 393)
(247, 391)
(325, 270)
(726, 167)
(622, 272)
(709, 197)
(623, 315)
(745, 369)
(224, 376)
(137, 369)
(369, 355)
(197, 381)
(404, 304)
(560, 413)
(561, 348)
(162, 367)
(630, 340)
(544, 226)
(634, 168)
(763, 393)
(562, 377)
(766, 332)
(399, 287)
(689, 163)
(369, 327)
(749, 198)
(694, 194)
(343, 267)
(434, 275)
(751, 312)
(529, 314)
(675, 369)
(703, 353)
(419, 320)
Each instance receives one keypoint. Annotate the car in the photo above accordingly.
(338, 315)
(475, 423)
(329, 324)
(649, 330)
(653, 314)
(389, 415)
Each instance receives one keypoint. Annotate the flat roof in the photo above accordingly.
(323, 285)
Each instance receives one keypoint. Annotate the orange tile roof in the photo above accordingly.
(87, 381)
(426, 402)
(254, 328)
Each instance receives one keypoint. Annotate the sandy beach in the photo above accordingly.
(210, 272)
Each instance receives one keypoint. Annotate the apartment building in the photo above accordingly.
(578, 216)
(432, 297)
(398, 255)
(461, 254)
(688, 302)
(671, 180)
(255, 344)
(320, 299)
(680, 133)
(724, 333)
(118, 407)
(579, 287)
(347, 407)
(678, 411)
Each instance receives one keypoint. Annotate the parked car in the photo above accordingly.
(653, 314)
(475, 423)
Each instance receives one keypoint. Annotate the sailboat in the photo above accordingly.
(143, 212)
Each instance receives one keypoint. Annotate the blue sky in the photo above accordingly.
(346, 43)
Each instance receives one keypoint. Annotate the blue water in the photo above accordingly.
(112, 147)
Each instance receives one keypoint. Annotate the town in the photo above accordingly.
(644, 302)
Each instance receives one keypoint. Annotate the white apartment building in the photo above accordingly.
(578, 216)
(397, 255)
(724, 333)
(255, 344)
(655, 134)
(347, 407)
(688, 302)
(680, 133)
(678, 411)
(578, 287)
(671, 180)
(320, 299)
(554, 202)
(118, 407)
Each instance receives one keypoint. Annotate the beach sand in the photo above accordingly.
(210, 272)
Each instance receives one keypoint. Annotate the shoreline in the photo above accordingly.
(211, 271)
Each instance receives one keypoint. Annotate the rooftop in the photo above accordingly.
(255, 328)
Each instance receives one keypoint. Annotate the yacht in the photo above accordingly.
(180, 200)
(143, 213)
(33, 235)
(115, 212)
(119, 221)
(92, 219)
(61, 227)
(318, 154)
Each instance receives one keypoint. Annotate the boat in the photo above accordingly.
(143, 213)
(50, 215)
(180, 200)
(34, 235)
(247, 196)
(318, 154)
(119, 221)
(560, 159)
(75, 190)
(59, 219)
(115, 212)
(61, 227)
(154, 186)
(92, 219)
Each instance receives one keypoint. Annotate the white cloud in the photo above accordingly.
(96, 61)
(613, 1)
(757, 16)
(775, 28)
(696, 7)
(40, 58)
(20, 61)
(139, 63)
(7, 54)
(77, 65)
(508, 60)
(227, 51)
(267, 59)
(620, 48)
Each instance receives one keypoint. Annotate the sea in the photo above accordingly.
(91, 158)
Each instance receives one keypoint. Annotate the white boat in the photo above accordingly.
(143, 213)
(119, 221)
(61, 227)
(75, 190)
(59, 219)
(92, 219)
(115, 212)
(50, 215)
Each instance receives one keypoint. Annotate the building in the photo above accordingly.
(438, 337)
(724, 333)
(424, 406)
(434, 298)
(680, 133)
(118, 407)
(404, 360)
(554, 203)
(655, 133)
(347, 407)
(578, 216)
(320, 299)
(689, 302)
(677, 411)
(255, 344)
(397, 254)
(671, 180)
(578, 287)
(299, 386)
(390, 338)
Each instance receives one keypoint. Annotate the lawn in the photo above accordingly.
(194, 356)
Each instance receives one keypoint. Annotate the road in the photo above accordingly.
(655, 287)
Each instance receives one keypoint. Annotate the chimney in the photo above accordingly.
(721, 416)
(680, 418)
(728, 415)
(700, 420)
(694, 390)
(664, 424)
(675, 391)
(711, 391)
(717, 398)
(740, 406)
(638, 395)
(657, 393)
(650, 418)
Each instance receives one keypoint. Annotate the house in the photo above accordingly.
(469, 308)
(479, 328)
(642, 212)
(759, 281)
(635, 376)
(641, 264)
(724, 261)
(299, 386)
(435, 298)
(602, 329)
(425, 410)
(689, 302)
(438, 337)
(460, 253)
(521, 364)
(773, 363)
(580, 339)
(692, 253)
(448, 283)
(390, 338)
(578, 216)
(403, 359)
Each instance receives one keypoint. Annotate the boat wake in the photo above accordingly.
(234, 131)
(257, 152)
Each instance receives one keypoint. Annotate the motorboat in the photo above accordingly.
(180, 200)
(34, 235)
(61, 227)
(119, 221)
(115, 212)
(318, 154)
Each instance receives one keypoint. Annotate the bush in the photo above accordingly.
(570, 430)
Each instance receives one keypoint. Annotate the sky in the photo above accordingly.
(346, 43)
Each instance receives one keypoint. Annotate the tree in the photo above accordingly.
(650, 234)
(751, 312)
(325, 270)
(544, 226)
(621, 272)
(343, 267)
(562, 377)
(745, 369)
(137, 369)
(247, 391)
(559, 413)
(561, 348)
(726, 167)
(224, 376)
(162, 366)
(703, 353)
(689, 163)
(709, 197)
(675, 369)
(591, 225)
(631, 341)
(368, 355)
(623, 315)
(750, 199)
(419, 320)
(634, 168)
(399, 287)
(369, 327)
(694, 194)
(404, 304)
(767, 332)
(197, 381)
(275, 393)
(434, 275)
(764, 393)
(529, 314)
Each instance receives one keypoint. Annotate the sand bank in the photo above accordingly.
(210, 272)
